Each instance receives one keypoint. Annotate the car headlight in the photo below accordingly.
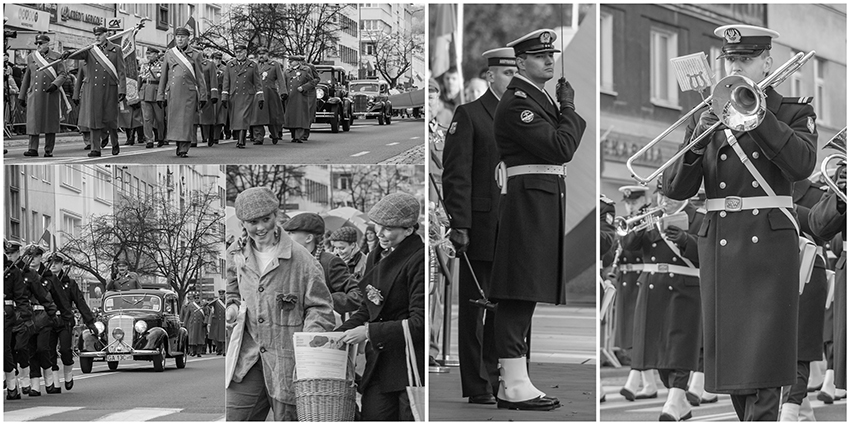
(320, 93)
(141, 326)
(118, 334)
(100, 327)
(371, 98)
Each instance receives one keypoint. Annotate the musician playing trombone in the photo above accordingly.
(748, 242)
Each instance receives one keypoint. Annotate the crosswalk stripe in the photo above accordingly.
(360, 153)
(138, 414)
(33, 413)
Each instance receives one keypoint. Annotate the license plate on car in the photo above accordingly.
(118, 357)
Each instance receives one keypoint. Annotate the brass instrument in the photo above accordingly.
(737, 101)
(839, 143)
(638, 222)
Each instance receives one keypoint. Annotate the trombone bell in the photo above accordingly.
(739, 103)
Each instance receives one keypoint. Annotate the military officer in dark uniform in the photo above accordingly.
(667, 315)
(242, 87)
(748, 244)
(125, 280)
(299, 83)
(17, 322)
(154, 123)
(472, 201)
(221, 112)
(42, 91)
(207, 115)
(44, 319)
(535, 138)
(194, 319)
(273, 83)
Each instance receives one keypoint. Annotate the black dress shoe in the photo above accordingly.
(211, 143)
(274, 141)
(555, 400)
(193, 145)
(258, 143)
(69, 384)
(104, 143)
(693, 399)
(160, 143)
(116, 150)
(34, 393)
(94, 154)
(25, 390)
(240, 146)
(640, 396)
(686, 417)
(52, 389)
(128, 143)
(825, 398)
(48, 154)
(630, 396)
(482, 399)
(31, 152)
(538, 403)
(182, 154)
(148, 145)
(87, 148)
(13, 394)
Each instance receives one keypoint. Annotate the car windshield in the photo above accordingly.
(363, 88)
(132, 302)
(327, 76)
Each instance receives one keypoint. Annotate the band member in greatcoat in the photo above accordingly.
(299, 83)
(152, 114)
(472, 202)
(208, 115)
(104, 87)
(42, 94)
(273, 84)
(182, 91)
(241, 88)
(748, 243)
(535, 138)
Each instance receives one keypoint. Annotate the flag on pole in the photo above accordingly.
(45, 240)
(191, 25)
(444, 51)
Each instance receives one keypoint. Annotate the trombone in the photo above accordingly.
(737, 101)
(639, 222)
(839, 143)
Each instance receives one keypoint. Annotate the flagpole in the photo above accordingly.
(116, 36)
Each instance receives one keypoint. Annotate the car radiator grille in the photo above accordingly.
(125, 323)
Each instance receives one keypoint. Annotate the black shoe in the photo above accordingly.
(293, 141)
(630, 396)
(48, 154)
(825, 398)
(645, 396)
(69, 384)
(104, 143)
(482, 399)
(52, 389)
(94, 154)
(34, 393)
(199, 355)
(538, 403)
(693, 399)
(87, 148)
(258, 143)
(160, 143)
(116, 150)
(25, 390)
(31, 152)
(554, 400)
(193, 145)
(148, 145)
(240, 146)
(13, 394)
(211, 143)
(129, 143)
(182, 154)
(300, 141)
(274, 141)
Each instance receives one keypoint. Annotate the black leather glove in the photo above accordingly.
(706, 120)
(214, 100)
(121, 97)
(58, 322)
(202, 104)
(92, 328)
(460, 239)
(676, 235)
(261, 104)
(566, 94)
(52, 88)
(22, 103)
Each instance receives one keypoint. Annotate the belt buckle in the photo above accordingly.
(663, 268)
(564, 170)
(733, 203)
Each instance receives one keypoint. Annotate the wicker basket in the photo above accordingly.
(325, 400)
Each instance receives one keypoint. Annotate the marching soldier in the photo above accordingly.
(17, 325)
(182, 91)
(66, 295)
(667, 315)
(273, 83)
(242, 86)
(311, 97)
(104, 88)
(42, 94)
(222, 120)
(299, 83)
(208, 116)
(215, 322)
(472, 202)
(194, 319)
(149, 75)
(535, 138)
(125, 280)
(749, 246)
(44, 319)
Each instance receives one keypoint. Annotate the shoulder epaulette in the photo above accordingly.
(520, 94)
(798, 100)
(606, 199)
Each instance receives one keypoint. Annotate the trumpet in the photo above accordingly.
(639, 222)
(839, 143)
(737, 101)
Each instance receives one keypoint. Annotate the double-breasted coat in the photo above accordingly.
(627, 293)
(667, 332)
(289, 296)
(100, 88)
(242, 88)
(82, 110)
(183, 85)
(194, 320)
(400, 279)
(43, 108)
(215, 320)
(297, 114)
(827, 219)
(125, 282)
(207, 114)
(749, 274)
(810, 322)
(529, 261)
(221, 113)
(273, 83)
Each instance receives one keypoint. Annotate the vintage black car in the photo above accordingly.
(333, 106)
(141, 324)
(371, 100)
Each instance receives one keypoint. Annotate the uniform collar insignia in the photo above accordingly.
(374, 295)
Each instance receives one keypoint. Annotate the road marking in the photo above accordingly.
(392, 144)
(32, 413)
(414, 138)
(138, 414)
(360, 154)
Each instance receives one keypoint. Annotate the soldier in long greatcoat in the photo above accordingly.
(183, 91)
(195, 320)
(242, 87)
(215, 321)
(42, 95)
(207, 115)
(222, 119)
(299, 82)
(273, 83)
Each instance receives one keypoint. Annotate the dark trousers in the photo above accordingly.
(799, 388)
(249, 401)
(49, 142)
(62, 338)
(479, 369)
(760, 405)
(378, 406)
(154, 127)
(240, 137)
(21, 348)
(297, 134)
(306, 134)
(260, 132)
(183, 147)
(97, 136)
(210, 133)
(675, 378)
(8, 352)
(513, 321)
(830, 356)
(40, 351)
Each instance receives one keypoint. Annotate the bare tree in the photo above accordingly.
(368, 184)
(394, 53)
(283, 180)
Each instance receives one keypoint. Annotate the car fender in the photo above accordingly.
(181, 344)
(151, 339)
(90, 342)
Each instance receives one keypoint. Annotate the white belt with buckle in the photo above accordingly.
(9, 302)
(632, 267)
(37, 307)
(518, 170)
(737, 203)
(670, 268)
(844, 246)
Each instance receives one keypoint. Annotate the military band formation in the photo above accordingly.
(179, 90)
(725, 285)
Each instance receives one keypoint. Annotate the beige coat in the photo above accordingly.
(290, 296)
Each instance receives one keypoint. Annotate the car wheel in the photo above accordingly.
(335, 120)
(112, 365)
(159, 359)
(346, 122)
(86, 364)
(181, 359)
(389, 119)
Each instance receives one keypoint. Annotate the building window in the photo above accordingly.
(70, 226)
(102, 187)
(606, 52)
(348, 25)
(47, 176)
(122, 7)
(371, 25)
(162, 16)
(663, 85)
(46, 222)
(72, 177)
(35, 223)
(821, 104)
(369, 49)
(14, 201)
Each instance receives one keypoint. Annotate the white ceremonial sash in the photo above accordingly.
(43, 62)
(101, 57)
(183, 60)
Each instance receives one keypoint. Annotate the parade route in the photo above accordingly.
(366, 143)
